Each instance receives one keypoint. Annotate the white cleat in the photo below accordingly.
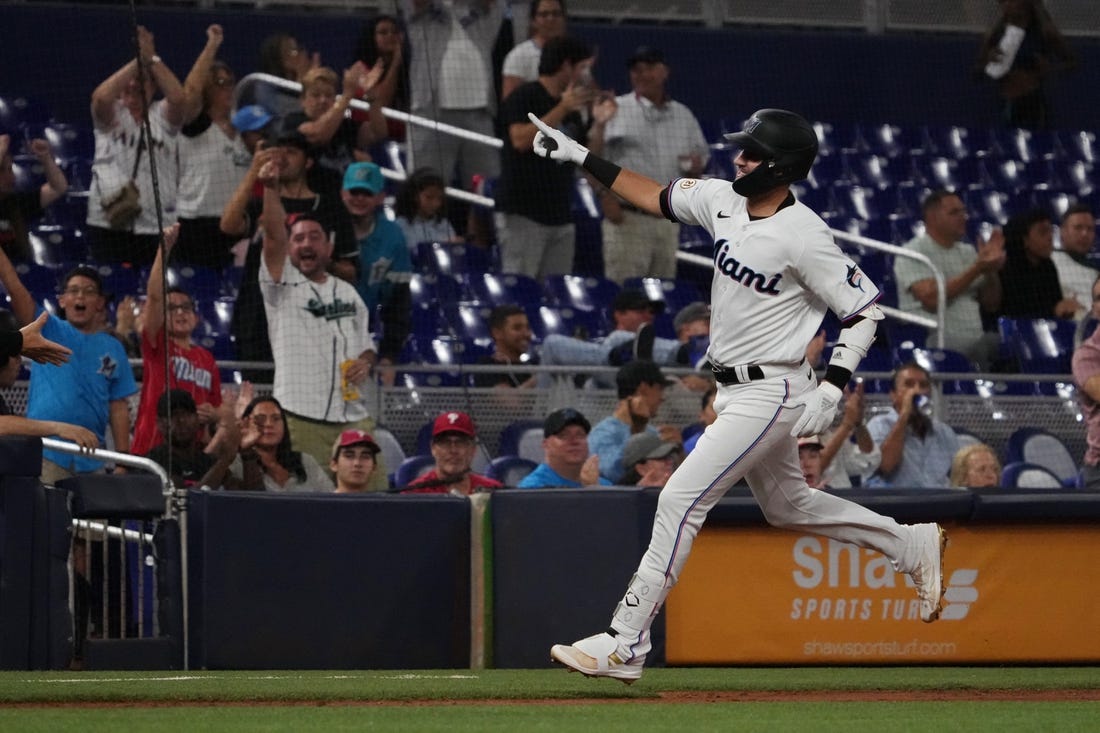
(928, 575)
(596, 656)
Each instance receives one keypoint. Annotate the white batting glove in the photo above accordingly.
(818, 411)
(556, 145)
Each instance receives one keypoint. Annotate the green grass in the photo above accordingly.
(371, 700)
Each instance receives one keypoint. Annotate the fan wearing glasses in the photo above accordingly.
(92, 388)
(191, 367)
(547, 21)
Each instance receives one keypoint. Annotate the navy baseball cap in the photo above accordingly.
(635, 300)
(638, 372)
(645, 55)
(559, 420)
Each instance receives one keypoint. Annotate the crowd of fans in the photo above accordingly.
(288, 188)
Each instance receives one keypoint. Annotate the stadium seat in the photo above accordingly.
(1081, 145)
(1040, 345)
(70, 142)
(504, 288)
(591, 294)
(890, 141)
(946, 141)
(447, 258)
(432, 290)
(510, 470)
(468, 321)
(201, 283)
(121, 279)
(28, 173)
(522, 438)
(941, 361)
(64, 243)
(392, 452)
(966, 438)
(412, 468)
(675, 294)
(1019, 475)
(566, 321)
(444, 351)
(1039, 447)
(21, 111)
(41, 281)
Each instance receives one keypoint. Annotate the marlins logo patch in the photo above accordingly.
(688, 182)
(855, 278)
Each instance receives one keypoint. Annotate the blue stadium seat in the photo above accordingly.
(412, 468)
(510, 470)
(591, 294)
(522, 438)
(940, 361)
(675, 294)
(70, 142)
(121, 279)
(468, 321)
(890, 141)
(21, 111)
(1042, 448)
(947, 141)
(71, 210)
(1081, 145)
(1040, 345)
(444, 351)
(201, 283)
(28, 172)
(447, 258)
(40, 281)
(63, 243)
(565, 321)
(504, 288)
(1017, 475)
(432, 290)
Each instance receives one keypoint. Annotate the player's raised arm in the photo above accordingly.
(643, 192)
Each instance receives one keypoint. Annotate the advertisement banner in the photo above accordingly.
(764, 596)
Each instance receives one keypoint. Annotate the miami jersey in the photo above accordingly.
(773, 278)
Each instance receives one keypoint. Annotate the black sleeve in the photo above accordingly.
(396, 315)
(11, 344)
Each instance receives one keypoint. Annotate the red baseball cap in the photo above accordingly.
(354, 437)
(454, 422)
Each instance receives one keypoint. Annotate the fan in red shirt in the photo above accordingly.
(192, 367)
(454, 444)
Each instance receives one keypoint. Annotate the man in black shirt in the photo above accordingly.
(534, 222)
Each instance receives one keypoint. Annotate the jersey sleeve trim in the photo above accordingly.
(859, 311)
(666, 202)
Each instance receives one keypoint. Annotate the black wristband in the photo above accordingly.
(837, 376)
(602, 170)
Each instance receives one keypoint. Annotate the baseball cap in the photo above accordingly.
(453, 422)
(811, 440)
(697, 311)
(178, 400)
(639, 371)
(354, 437)
(635, 300)
(251, 118)
(561, 419)
(645, 55)
(366, 176)
(643, 446)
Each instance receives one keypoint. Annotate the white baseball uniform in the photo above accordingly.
(773, 280)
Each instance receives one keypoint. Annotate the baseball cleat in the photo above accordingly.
(643, 342)
(928, 575)
(596, 656)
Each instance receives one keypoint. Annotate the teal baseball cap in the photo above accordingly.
(364, 176)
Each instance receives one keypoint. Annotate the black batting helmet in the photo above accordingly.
(784, 141)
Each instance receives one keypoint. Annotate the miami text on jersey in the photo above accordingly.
(744, 274)
(185, 371)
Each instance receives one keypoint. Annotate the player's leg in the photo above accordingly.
(558, 350)
(788, 503)
(739, 439)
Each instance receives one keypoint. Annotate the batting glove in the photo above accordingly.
(819, 410)
(556, 145)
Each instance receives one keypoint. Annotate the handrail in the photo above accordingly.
(124, 459)
(458, 193)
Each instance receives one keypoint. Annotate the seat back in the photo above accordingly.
(392, 452)
(412, 468)
(942, 360)
(1043, 345)
(1021, 475)
(1038, 447)
(510, 470)
(522, 438)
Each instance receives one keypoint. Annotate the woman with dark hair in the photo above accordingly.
(212, 159)
(1022, 48)
(382, 39)
(1029, 279)
(280, 55)
(265, 439)
(418, 209)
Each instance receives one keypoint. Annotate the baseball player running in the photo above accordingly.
(776, 270)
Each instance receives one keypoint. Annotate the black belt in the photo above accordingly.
(728, 375)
